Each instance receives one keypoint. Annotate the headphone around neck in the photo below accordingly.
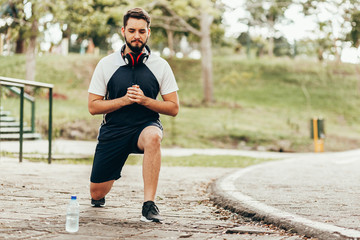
(134, 59)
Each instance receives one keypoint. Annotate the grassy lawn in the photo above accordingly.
(188, 161)
(260, 103)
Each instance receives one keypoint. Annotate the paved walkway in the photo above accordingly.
(316, 195)
(34, 197)
(86, 148)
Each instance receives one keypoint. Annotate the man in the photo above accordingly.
(124, 88)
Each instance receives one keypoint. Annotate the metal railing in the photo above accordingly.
(19, 83)
(29, 98)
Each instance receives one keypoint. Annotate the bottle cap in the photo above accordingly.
(73, 197)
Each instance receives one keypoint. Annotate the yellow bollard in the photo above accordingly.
(318, 142)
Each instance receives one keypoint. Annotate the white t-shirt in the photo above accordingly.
(112, 77)
(108, 65)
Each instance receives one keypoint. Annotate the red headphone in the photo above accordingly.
(134, 59)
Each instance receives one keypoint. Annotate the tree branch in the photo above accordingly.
(179, 20)
(169, 27)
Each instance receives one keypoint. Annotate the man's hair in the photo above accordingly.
(138, 13)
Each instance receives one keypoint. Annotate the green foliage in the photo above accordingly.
(244, 38)
(99, 19)
(25, 24)
(333, 30)
(355, 31)
(282, 47)
(167, 15)
(188, 161)
(95, 19)
(203, 161)
(267, 12)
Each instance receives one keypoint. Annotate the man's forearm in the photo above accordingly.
(101, 106)
(170, 105)
(163, 107)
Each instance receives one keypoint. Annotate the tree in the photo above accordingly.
(354, 35)
(98, 19)
(94, 20)
(32, 35)
(25, 16)
(333, 31)
(282, 47)
(267, 14)
(195, 17)
(12, 15)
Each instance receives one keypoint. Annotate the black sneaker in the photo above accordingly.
(98, 203)
(150, 212)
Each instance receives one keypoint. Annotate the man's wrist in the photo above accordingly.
(147, 101)
(124, 101)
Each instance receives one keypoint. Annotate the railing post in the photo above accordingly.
(50, 122)
(33, 117)
(21, 124)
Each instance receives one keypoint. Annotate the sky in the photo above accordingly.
(301, 27)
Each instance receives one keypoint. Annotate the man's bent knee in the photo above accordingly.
(153, 140)
(150, 138)
(99, 190)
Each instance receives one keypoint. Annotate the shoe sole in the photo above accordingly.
(144, 219)
(97, 205)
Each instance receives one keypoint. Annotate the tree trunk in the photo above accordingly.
(20, 44)
(20, 41)
(206, 57)
(91, 47)
(65, 42)
(8, 44)
(358, 76)
(30, 53)
(271, 47)
(337, 52)
(271, 38)
(320, 53)
(1, 44)
(65, 46)
(170, 36)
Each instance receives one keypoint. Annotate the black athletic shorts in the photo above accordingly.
(110, 156)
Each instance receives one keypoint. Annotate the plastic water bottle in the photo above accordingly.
(72, 215)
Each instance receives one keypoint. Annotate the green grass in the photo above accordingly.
(188, 161)
(259, 102)
(204, 161)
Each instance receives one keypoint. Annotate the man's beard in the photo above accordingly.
(136, 49)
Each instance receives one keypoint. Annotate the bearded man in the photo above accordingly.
(124, 88)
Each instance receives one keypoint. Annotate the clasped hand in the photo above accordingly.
(136, 95)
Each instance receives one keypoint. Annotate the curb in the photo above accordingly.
(224, 195)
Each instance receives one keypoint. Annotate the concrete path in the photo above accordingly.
(34, 197)
(86, 148)
(315, 195)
